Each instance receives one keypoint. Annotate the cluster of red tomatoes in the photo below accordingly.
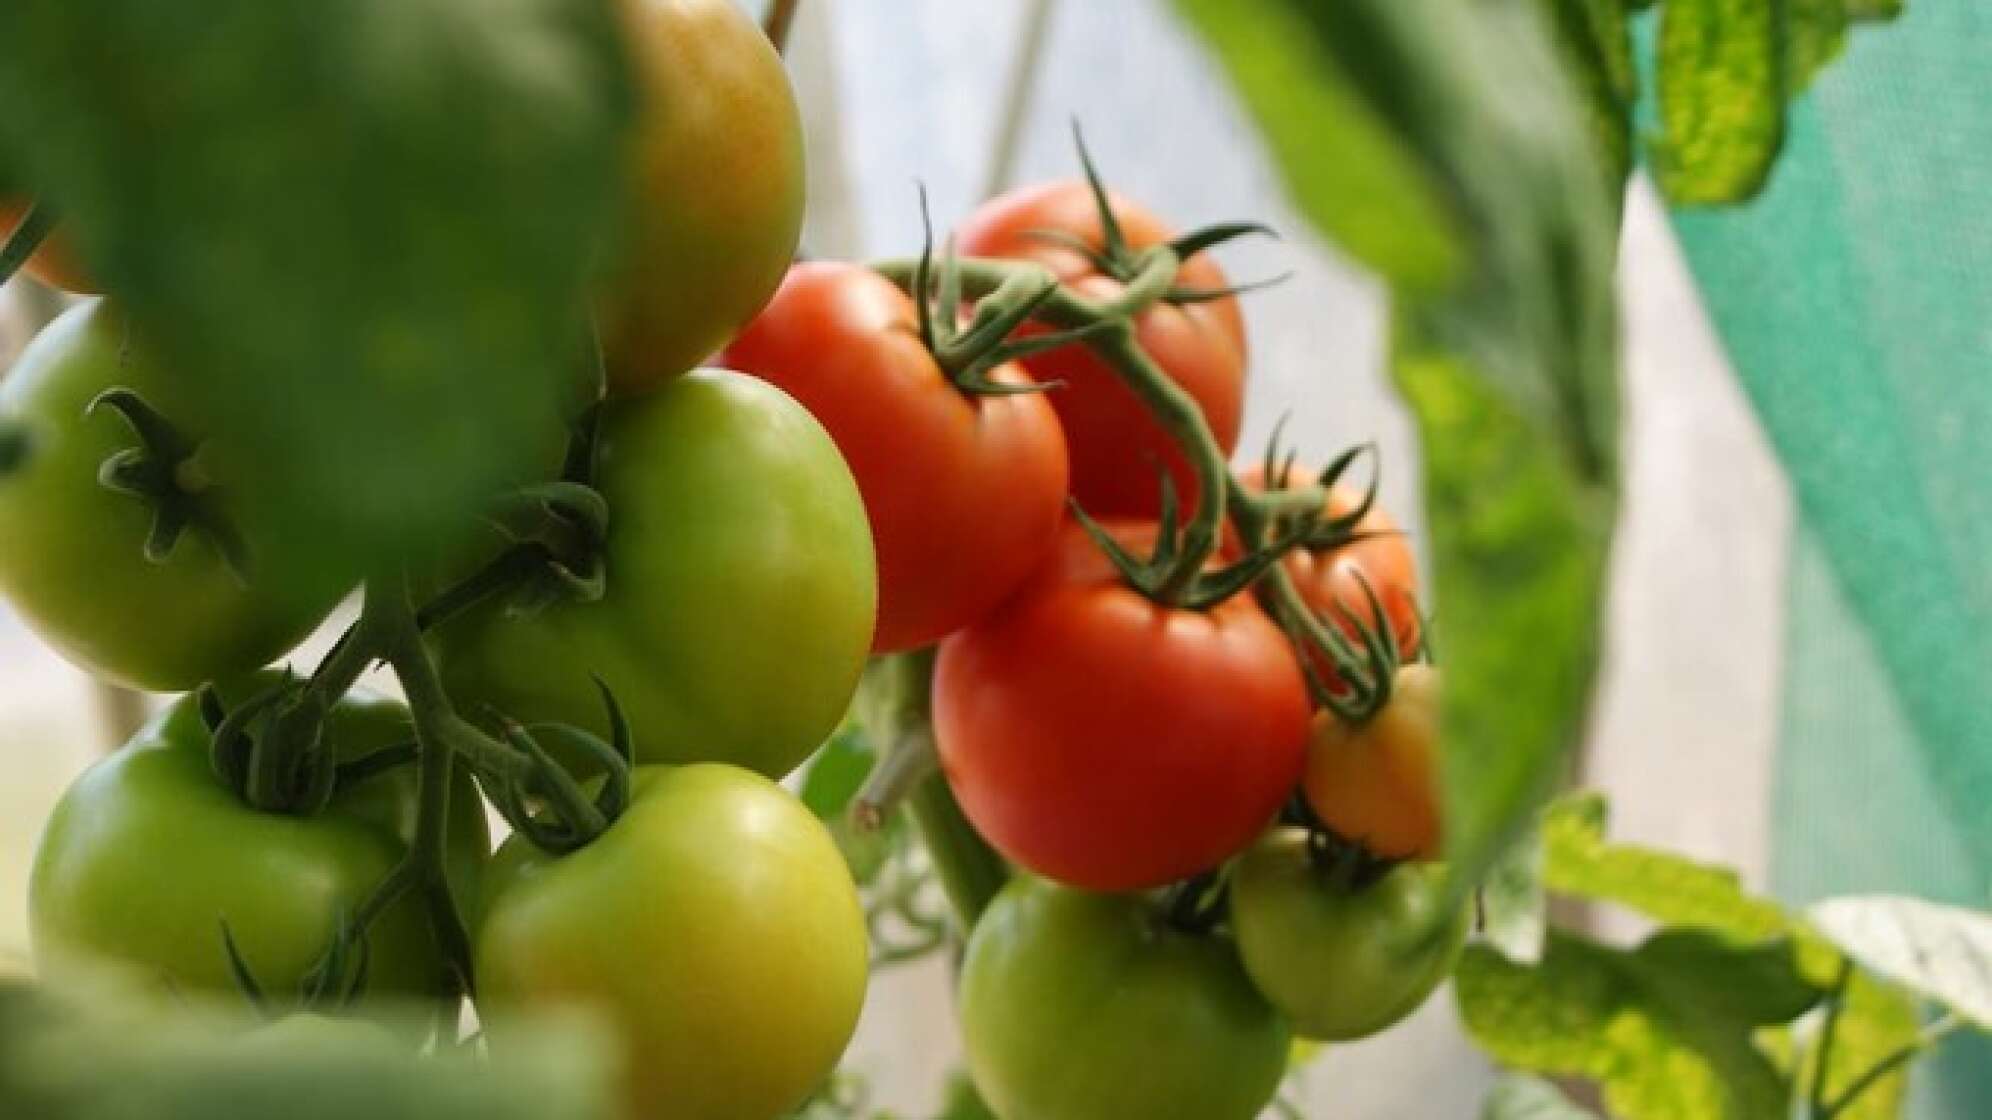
(1221, 847)
(1127, 752)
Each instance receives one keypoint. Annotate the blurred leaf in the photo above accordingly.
(1873, 9)
(1722, 93)
(1512, 901)
(1942, 953)
(1816, 33)
(1595, 43)
(1519, 1096)
(1876, 1020)
(1511, 368)
(1345, 169)
(1664, 1029)
(362, 232)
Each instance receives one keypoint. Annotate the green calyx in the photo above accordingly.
(165, 471)
(271, 750)
(1116, 258)
(539, 797)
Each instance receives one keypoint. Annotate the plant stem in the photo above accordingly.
(25, 238)
(780, 17)
(1930, 1036)
(970, 871)
(1822, 1058)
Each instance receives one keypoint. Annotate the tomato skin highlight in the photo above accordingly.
(73, 560)
(714, 927)
(741, 588)
(1377, 784)
(147, 853)
(964, 494)
(716, 189)
(1108, 743)
(1341, 963)
(1078, 1006)
(55, 262)
(1116, 445)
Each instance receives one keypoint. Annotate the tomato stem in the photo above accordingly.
(27, 236)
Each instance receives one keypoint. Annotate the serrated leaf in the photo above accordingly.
(363, 235)
(1345, 169)
(1664, 1029)
(1722, 95)
(1513, 905)
(1942, 953)
(1519, 1096)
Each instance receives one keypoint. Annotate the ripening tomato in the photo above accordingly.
(73, 559)
(1110, 743)
(1078, 1006)
(1327, 578)
(716, 192)
(741, 588)
(1116, 446)
(714, 927)
(1341, 962)
(55, 263)
(965, 493)
(1377, 783)
(148, 853)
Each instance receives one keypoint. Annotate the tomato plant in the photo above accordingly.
(196, 612)
(740, 587)
(965, 488)
(1341, 960)
(1376, 782)
(1116, 445)
(713, 925)
(1080, 1006)
(147, 854)
(701, 252)
(1109, 742)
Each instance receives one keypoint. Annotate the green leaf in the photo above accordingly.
(1672, 889)
(1519, 1096)
(1343, 166)
(1511, 369)
(962, 1102)
(1866, 10)
(834, 778)
(1666, 1029)
(1514, 909)
(1942, 953)
(1876, 1020)
(1595, 42)
(1816, 33)
(1722, 94)
(364, 235)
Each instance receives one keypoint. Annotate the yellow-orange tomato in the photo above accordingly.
(716, 189)
(1378, 783)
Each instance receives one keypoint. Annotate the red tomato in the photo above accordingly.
(1327, 577)
(965, 493)
(1115, 444)
(1110, 743)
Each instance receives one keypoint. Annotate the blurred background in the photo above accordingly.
(1742, 717)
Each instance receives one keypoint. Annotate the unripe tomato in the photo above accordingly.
(1078, 1006)
(1115, 444)
(1377, 783)
(1110, 743)
(148, 853)
(965, 493)
(741, 588)
(716, 194)
(73, 559)
(55, 263)
(714, 927)
(1341, 962)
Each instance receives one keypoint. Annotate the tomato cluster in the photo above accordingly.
(1194, 711)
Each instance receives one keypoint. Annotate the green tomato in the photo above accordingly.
(741, 588)
(713, 928)
(1341, 963)
(74, 564)
(148, 853)
(1079, 1006)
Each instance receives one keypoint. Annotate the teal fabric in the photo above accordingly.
(1855, 301)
